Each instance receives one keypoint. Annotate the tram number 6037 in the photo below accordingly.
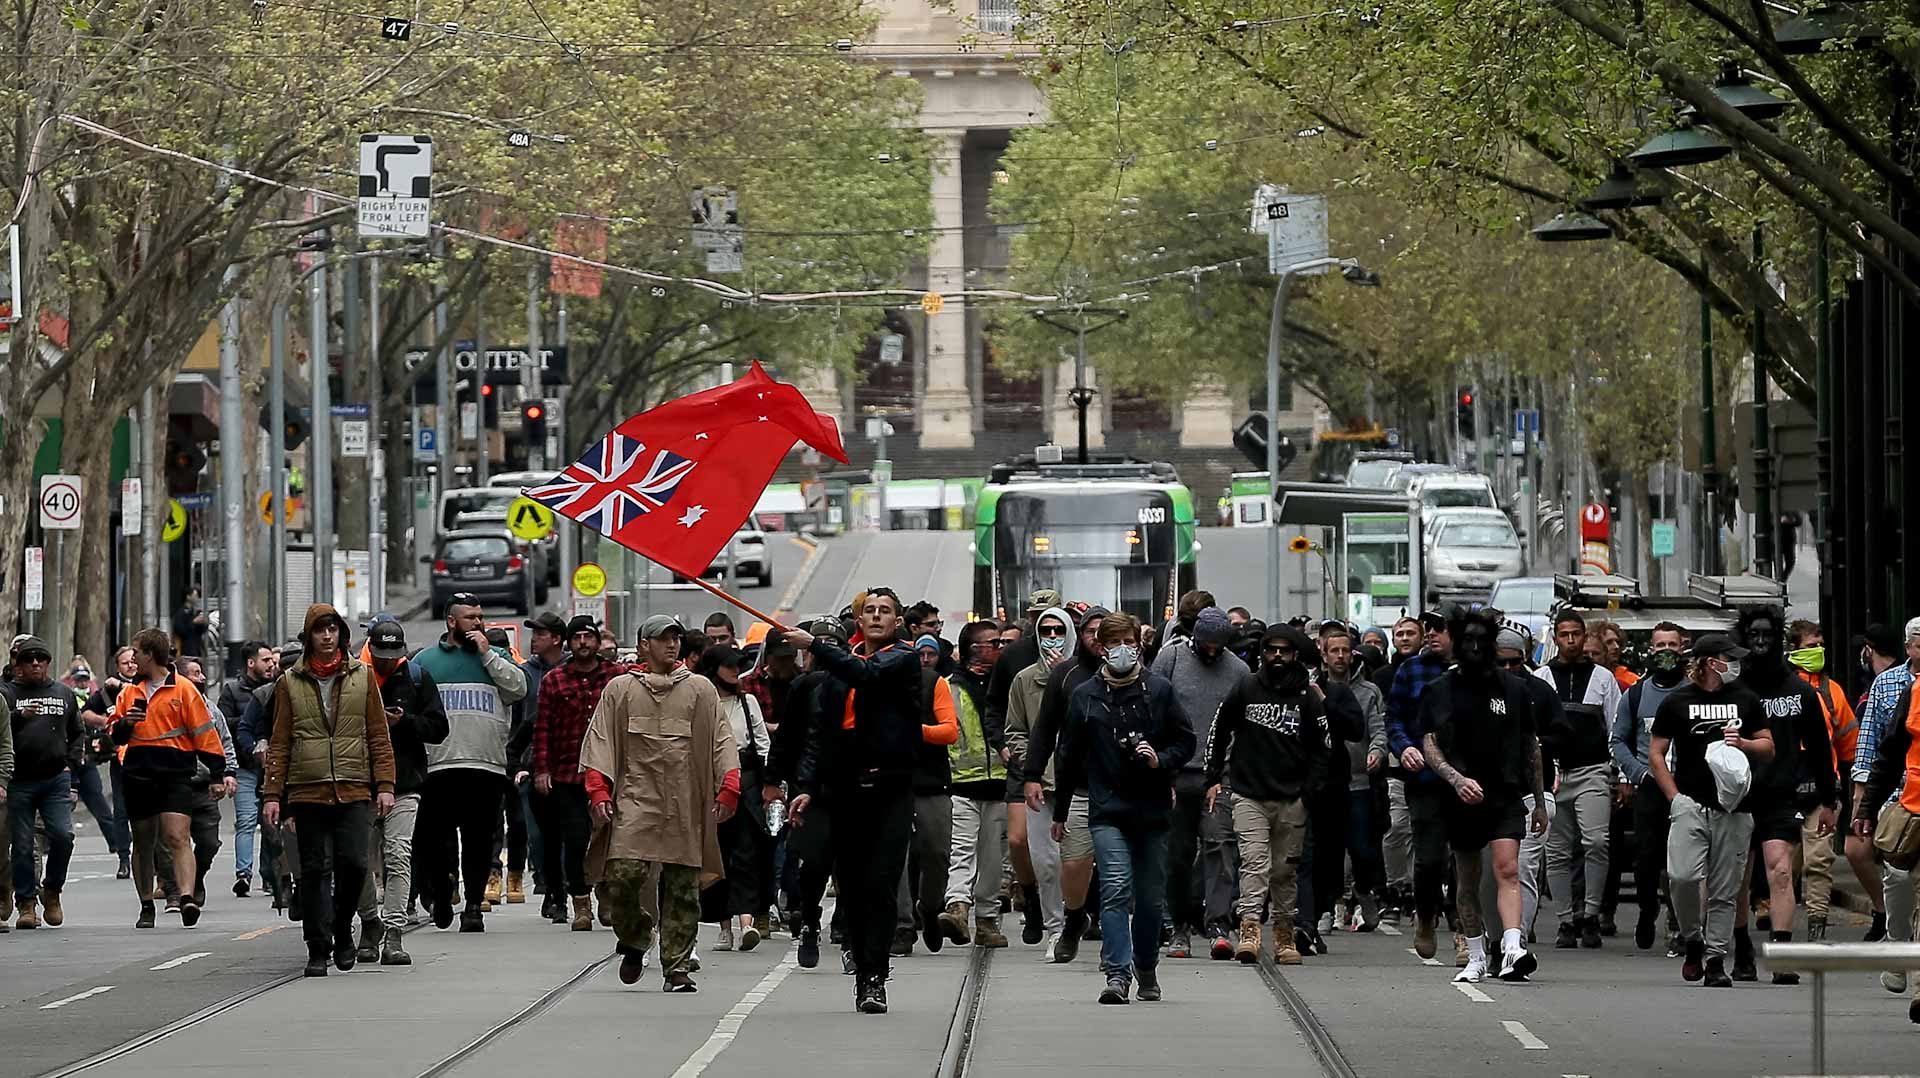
(1153, 514)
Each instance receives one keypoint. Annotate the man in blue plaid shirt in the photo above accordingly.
(1876, 721)
(1427, 795)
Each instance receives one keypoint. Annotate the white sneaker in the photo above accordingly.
(1476, 969)
(1326, 923)
(726, 937)
(1517, 965)
(1047, 945)
(1894, 980)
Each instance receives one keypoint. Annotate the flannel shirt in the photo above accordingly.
(1403, 711)
(567, 700)
(1877, 718)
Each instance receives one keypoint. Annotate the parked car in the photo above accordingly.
(488, 562)
(484, 506)
(1468, 551)
(1526, 600)
(542, 553)
(1453, 490)
(751, 558)
(1402, 476)
(1371, 467)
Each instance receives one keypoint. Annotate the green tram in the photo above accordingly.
(1114, 532)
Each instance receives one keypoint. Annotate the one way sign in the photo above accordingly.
(396, 185)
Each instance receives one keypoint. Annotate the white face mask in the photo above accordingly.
(1731, 671)
(1123, 658)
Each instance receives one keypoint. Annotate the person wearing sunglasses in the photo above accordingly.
(978, 771)
(1045, 912)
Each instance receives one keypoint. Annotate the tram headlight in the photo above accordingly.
(1042, 544)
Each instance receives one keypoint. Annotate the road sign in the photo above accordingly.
(1664, 536)
(589, 579)
(727, 260)
(932, 303)
(353, 438)
(60, 502)
(1393, 437)
(595, 608)
(196, 501)
(396, 185)
(130, 507)
(529, 520)
(469, 420)
(266, 507)
(893, 347)
(1594, 519)
(176, 525)
(36, 596)
(349, 411)
(716, 218)
(1295, 226)
(426, 443)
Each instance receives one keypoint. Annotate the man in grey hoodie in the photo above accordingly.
(1203, 672)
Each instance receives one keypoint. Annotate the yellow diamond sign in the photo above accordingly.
(529, 520)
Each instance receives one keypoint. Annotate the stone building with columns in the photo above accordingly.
(953, 409)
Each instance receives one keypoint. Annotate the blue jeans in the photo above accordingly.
(246, 817)
(112, 819)
(1132, 862)
(51, 799)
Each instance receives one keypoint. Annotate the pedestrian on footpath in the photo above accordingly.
(1482, 742)
(662, 774)
(97, 713)
(163, 723)
(330, 766)
(1124, 738)
(415, 720)
(49, 748)
(1426, 794)
(567, 696)
(1053, 629)
(1807, 652)
(1200, 860)
(1583, 804)
(978, 764)
(1076, 844)
(1896, 661)
(1708, 837)
(740, 904)
(1269, 745)
(467, 772)
(263, 666)
(1632, 737)
(207, 792)
(861, 759)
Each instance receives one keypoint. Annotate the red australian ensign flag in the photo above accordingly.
(675, 482)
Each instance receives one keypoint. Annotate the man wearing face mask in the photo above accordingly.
(1583, 804)
(1798, 782)
(1482, 741)
(1203, 672)
(1807, 653)
(1053, 631)
(1014, 659)
(1076, 846)
(1706, 841)
(1124, 737)
(1270, 737)
(1632, 733)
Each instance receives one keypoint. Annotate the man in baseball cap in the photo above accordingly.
(1040, 600)
(660, 625)
(548, 621)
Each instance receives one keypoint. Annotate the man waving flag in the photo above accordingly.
(675, 482)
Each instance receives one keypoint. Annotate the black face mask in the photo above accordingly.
(1473, 650)
(1287, 676)
(1763, 648)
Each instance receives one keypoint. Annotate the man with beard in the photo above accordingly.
(568, 696)
(1632, 733)
(1270, 738)
(1482, 742)
(1203, 672)
(1797, 782)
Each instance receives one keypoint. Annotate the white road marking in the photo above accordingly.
(1472, 993)
(1424, 961)
(176, 963)
(1387, 929)
(729, 1027)
(1525, 1036)
(59, 1003)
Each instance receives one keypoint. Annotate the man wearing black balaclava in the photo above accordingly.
(1481, 740)
(1798, 780)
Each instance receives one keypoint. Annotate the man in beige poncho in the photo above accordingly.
(662, 774)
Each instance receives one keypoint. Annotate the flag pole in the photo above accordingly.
(729, 597)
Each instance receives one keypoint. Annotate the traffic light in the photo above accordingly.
(489, 408)
(1466, 412)
(185, 461)
(1250, 438)
(533, 422)
(298, 425)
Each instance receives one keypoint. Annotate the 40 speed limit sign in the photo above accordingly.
(60, 502)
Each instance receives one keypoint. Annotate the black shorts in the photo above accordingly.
(1472, 827)
(1781, 824)
(148, 796)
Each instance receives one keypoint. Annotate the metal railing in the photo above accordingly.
(1821, 959)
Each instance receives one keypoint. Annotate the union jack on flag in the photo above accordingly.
(613, 484)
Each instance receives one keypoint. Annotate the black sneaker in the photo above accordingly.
(316, 962)
(808, 952)
(1691, 967)
(1149, 991)
(1568, 937)
(1743, 967)
(1068, 945)
(1590, 933)
(1033, 928)
(876, 1001)
(344, 953)
(189, 912)
(859, 990)
(679, 984)
(125, 871)
(1313, 937)
(1116, 990)
(1716, 974)
(242, 887)
(930, 933)
(1303, 941)
(146, 916)
(1607, 926)
(471, 919)
(846, 962)
(902, 945)
(1643, 930)
(443, 913)
(1878, 930)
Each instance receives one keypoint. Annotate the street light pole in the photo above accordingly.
(277, 507)
(1763, 552)
(1081, 396)
(376, 451)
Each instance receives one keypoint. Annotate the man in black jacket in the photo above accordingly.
(415, 719)
(814, 693)
(1124, 738)
(49, 746)
(263, 666)
(1076, 849)
(865, 757)
(1271, 739)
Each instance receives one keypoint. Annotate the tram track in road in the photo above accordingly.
(1332, 1060)
(526, 1014)
(958, 1052)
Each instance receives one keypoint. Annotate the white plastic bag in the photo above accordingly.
(1732, 775)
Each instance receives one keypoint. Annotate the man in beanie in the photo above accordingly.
(1203, 671)
(330, 764)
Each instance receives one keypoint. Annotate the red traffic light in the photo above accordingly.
(1466, 399)
(533, 411)
(486, 390)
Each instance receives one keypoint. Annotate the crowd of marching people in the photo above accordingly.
(1204, 788)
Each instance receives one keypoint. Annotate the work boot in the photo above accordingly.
(146, 916)
(392, 953)
(1034, 927)
(1148, 984)
(316, 960)
(1071, 933)
(371, 933)
(1568, 937)
(1423, 942)
(986, 932)
(583, 913)
(516, 891)
(344, 952)
(492, 893)
(1743, 967)
(1590, 933)
(1248, 950)
(471, 919)
(953, 922)
(808, 952)
(1285, 953)
(1716, 974)
(50, 908)
(28, 918)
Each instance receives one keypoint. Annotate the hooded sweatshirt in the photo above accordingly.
(1270, 736)
(48, 736)
(1105, 717)
(330, 742)
(1026, 694)
(477, 690)
(1201, 686)
(1801, 773)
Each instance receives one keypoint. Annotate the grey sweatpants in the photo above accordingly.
(1706, 845)
(1583, 807)
(1397, 845)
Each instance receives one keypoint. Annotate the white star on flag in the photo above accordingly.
(692, 516)
(763, 419)
(701, 437)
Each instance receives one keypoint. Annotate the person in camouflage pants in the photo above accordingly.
(635, 889)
